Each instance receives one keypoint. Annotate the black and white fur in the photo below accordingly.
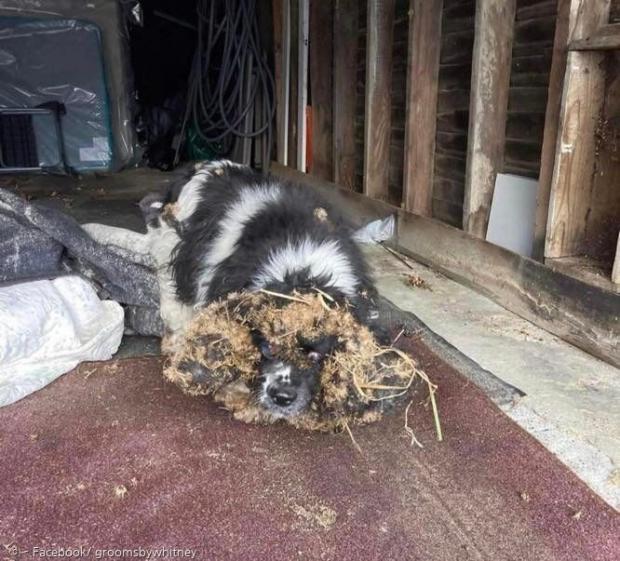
(234, 229)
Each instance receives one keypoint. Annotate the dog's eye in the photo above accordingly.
(266, 349)
(315, 356)
(317, 350)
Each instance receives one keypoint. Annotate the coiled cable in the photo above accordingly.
(231, 86)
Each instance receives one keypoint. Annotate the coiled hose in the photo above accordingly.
(230, 79)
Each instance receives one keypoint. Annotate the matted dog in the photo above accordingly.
(226, 228)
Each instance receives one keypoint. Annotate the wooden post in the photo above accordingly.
(321, 62)
(282, 57)
(490, 82)
(377, 123)
(552, 119)
(421, 120)
(346, 14)
(582, 103)
(302, 82)
(293, 133)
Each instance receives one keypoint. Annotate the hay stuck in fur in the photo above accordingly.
(359, 380)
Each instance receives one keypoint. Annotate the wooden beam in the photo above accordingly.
(380, 24)
(321, 88)
(605, 38)
(552, 120)
(582, 103)
(282, 57)
(293, 136)
(302, 82)
(346, 14)
(421, 119)
(490, 82)
(582, 314)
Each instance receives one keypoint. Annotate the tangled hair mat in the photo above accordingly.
(358, 381)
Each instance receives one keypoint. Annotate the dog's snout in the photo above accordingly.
(282, 396)
(285, 391)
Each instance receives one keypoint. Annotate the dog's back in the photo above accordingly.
(240, 230)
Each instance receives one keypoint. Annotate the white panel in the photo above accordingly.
(513, 213)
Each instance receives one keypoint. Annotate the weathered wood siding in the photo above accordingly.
(399, 72)
(531, 62)
(457, 42)
(529, 81)
(614, 13)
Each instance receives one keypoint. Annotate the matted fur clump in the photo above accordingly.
(359, 380)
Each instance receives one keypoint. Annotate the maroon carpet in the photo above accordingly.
(111, 456)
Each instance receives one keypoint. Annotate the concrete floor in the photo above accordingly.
(570, 400)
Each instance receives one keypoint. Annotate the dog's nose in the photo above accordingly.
(282, 396)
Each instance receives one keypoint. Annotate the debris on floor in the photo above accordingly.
(416, 281)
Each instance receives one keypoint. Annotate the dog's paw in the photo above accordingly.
(151, 206)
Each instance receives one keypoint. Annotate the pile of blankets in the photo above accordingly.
(37, 242)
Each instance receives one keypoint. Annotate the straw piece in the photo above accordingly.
(285, 296)
(357, 446)
(408, 429)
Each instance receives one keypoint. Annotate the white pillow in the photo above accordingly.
(47, 328)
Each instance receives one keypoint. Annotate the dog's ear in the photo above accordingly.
(319, 349)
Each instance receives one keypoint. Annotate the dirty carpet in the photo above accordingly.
(111, 456)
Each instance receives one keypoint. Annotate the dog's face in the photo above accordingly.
(286, 385)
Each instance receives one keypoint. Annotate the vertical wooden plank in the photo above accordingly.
(552, 119)
(281, 54)
(302, 83)
(380, 24)
(293, 82)
(582, 103)
(490, 82)
(346, 14)
(277, 10)
(421, 119)
(571, 184)
(321, 89)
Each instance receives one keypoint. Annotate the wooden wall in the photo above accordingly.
(360, 91)
(584, 202)
(531, 63)
(531, 52)
(457, 42)
(614, 13)
(603, 224)
(399, 89)
(502, 75)
(529, 80)
(399, 71)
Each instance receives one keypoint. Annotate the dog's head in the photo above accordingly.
(288, 381)
(298, 358)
